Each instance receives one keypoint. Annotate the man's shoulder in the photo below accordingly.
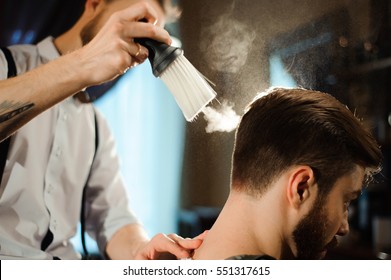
(19, 54)
(26, 57)
(29, 56)
(23, 50)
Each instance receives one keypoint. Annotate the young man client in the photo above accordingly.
(300, 158)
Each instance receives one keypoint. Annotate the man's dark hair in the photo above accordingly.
(288, 127)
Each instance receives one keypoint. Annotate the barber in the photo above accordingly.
(63, 146)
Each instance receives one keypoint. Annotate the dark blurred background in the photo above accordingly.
(342, 47)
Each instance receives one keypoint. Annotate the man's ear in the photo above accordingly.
(301, 186)
(92, 5)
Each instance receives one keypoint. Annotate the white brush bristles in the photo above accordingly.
(190, 90)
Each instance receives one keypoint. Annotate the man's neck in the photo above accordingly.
(68, 42)
(243, 227)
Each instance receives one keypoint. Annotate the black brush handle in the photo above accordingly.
(160, 55)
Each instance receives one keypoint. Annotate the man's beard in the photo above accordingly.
(89, 30)
(310, 234)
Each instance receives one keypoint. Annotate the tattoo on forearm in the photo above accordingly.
(9, 110)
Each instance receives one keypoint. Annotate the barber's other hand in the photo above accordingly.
(170, 246)
(112, 51)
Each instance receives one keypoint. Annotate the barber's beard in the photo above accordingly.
(90, 29)
(310, 234)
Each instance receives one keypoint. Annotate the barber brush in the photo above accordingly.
(190, 90)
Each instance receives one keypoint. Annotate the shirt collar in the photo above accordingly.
(47, 49)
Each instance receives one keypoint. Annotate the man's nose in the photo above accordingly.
(344, 228)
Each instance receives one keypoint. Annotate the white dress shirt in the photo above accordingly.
(47, 167)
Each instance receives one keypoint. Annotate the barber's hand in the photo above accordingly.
(170, 246)
(112, 51)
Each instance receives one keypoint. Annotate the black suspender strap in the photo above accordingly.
(83, 202)
(4, 145)
(10, 61)
(47, 240)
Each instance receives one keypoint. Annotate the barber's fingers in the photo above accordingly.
(142, 18)
(138, 56)
(202, 235)
(140, 11)
(163, 246)
(160, 245)
(146, 30)
(169, 244)
(114, 47)
(186, 243)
